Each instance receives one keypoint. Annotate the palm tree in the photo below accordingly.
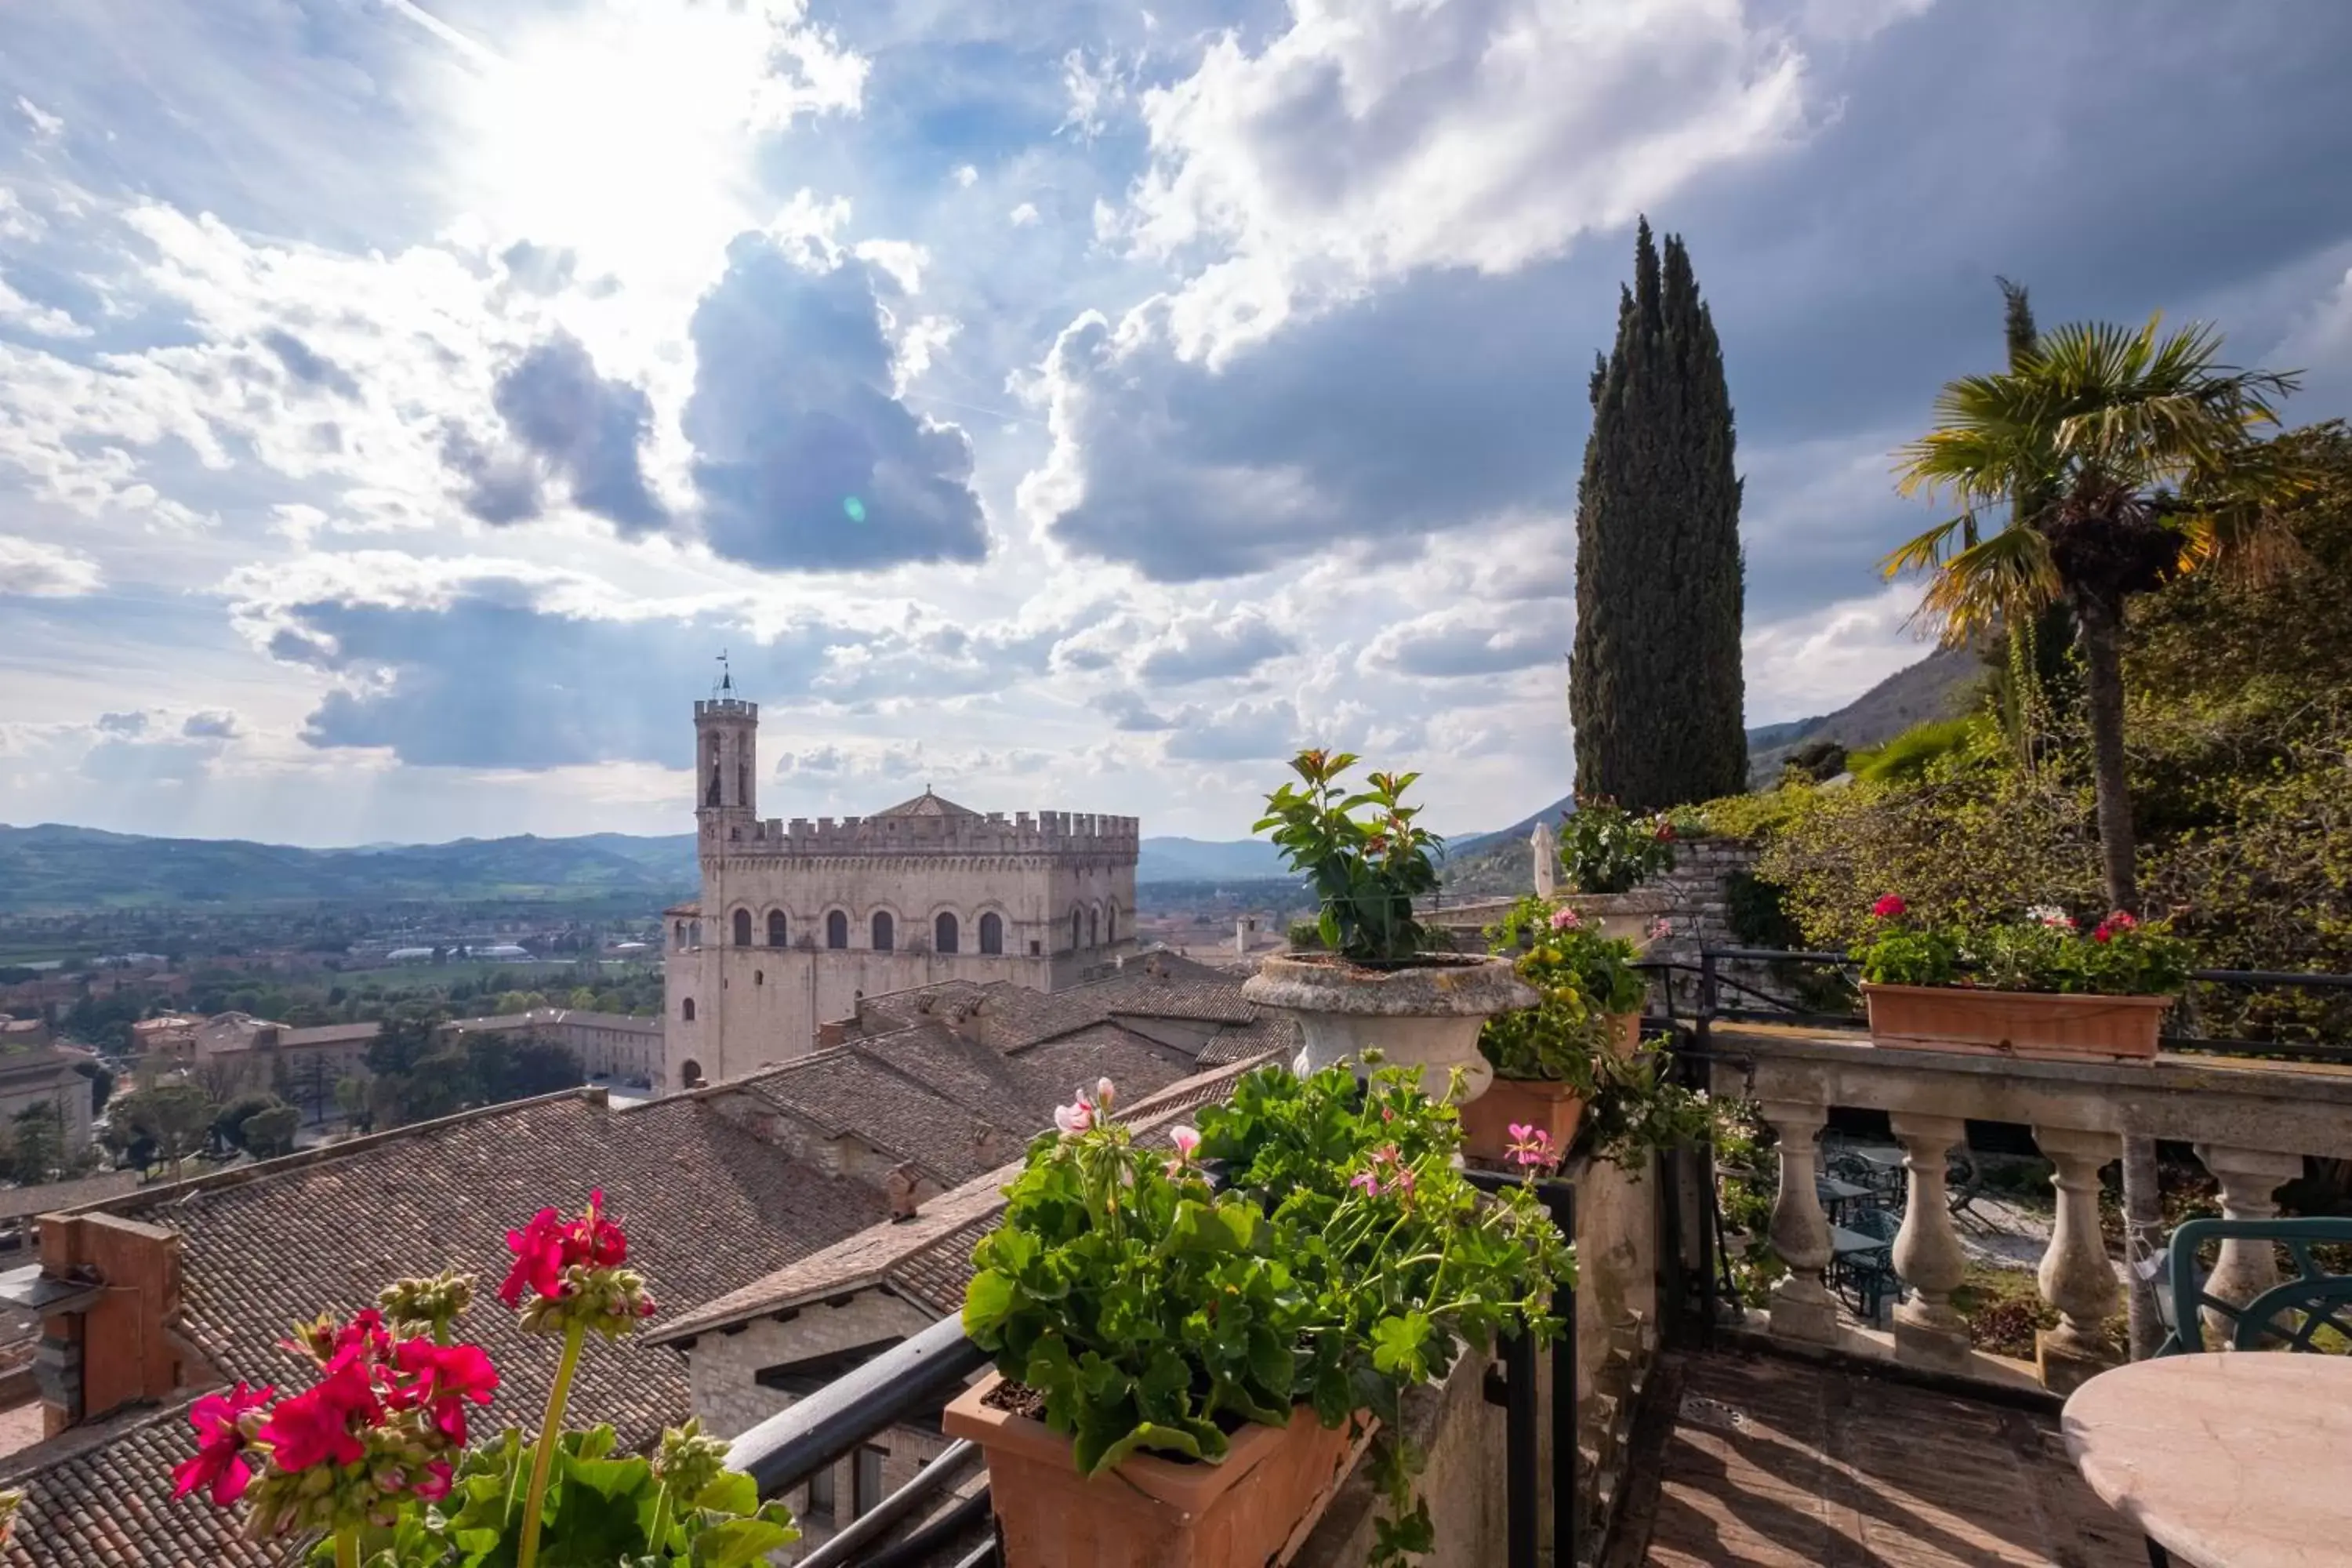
(2122, 459)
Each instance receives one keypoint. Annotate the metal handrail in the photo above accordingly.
(793, 1445)
(876, 1523)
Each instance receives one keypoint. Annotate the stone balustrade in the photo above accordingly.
(2251, 1123)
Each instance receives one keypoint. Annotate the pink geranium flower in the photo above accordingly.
(321, 1424)
(442, 1378)
(1890, 907)
(1188, 1143)
(1566, 918)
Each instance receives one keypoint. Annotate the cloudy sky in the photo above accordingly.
(403, 402)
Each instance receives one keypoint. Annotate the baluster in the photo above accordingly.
(1927, 1255)
(1802, 1308)
(2075, 1276)
(2245, 1268)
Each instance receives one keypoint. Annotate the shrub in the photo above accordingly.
(1367, 869)
(1606, 850)
(1909, 755)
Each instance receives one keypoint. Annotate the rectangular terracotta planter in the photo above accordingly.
(2014, 1023)
(1256, 1506)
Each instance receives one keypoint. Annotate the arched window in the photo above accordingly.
(742, 928)
(686, 1010)
(1075, 917)
(1094, 928)
(992, 933)
(886, 931)
(759, 977)
(943, 933)
(694, 935)
(681, 934)
(690, 1074)
(1110, 923)
(836, 929)
(775, 928)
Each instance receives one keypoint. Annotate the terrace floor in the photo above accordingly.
(1758, 1460)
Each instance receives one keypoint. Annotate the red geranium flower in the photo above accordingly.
(549, 1244)
(434, 1484)
(315, 1425)
(442, 1378)
(1890, 907)
(221, 1441)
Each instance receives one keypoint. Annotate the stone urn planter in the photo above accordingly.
(1544, 1103)
(1255, 1505)
(1423, 1014)
(2014, 1023)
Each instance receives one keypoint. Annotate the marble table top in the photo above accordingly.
(2236, 1459)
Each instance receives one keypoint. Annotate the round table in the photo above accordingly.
(2237, 1459)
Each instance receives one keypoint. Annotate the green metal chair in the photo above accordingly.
(2313, 1300)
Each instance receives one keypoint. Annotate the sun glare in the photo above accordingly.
(625, 132)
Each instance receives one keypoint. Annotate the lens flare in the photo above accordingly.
(854, 508)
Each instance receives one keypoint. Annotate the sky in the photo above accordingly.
(1063, 405)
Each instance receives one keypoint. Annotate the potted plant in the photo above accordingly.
(2037, 987)
(375, 1460)
(1545, 1056)
(1376, 987)
(1191, 1351)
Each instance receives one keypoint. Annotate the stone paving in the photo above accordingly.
(1777, 1463)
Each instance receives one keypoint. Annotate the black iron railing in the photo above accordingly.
(907, 1380)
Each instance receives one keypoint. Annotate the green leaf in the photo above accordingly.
(738, 1542)
(988, 1300)
(734, 1493)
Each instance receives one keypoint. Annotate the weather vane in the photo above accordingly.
(726, 675)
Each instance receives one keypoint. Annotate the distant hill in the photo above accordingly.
(57, 868)
(1937, 687)
(1206, 860)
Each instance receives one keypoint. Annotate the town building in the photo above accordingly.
(43, 1073)
(609, 1045)
(149, 1299)
(797, 921)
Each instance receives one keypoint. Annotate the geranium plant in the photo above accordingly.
(1632, 1104)
(373, 1457)
(1312, 1243)
(1605, 850)
(2048, 950)
(1367, 856)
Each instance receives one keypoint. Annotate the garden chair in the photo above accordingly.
(2313, 1302)
(1868, 1279)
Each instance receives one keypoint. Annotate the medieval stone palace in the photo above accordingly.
(799, 921)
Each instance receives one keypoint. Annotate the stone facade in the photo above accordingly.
(31, 1076)
(609, 1045)
(798, 920)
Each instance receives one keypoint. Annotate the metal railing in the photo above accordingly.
(905, 1381)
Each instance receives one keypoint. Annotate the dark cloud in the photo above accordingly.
(1126, 711)
(1214, 649)
(306, 365)
(803, 458)
(584, 426)
(123, 723)
(213, 724)
(1849, 277)
(490, 681)
(501, 484)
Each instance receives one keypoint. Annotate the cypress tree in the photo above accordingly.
(1655, 692)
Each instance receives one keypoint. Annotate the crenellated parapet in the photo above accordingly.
(1088, 835)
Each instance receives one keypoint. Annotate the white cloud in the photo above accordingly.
(1023, 215)
(1370, 139)
(1824, 658)
(45, 320)
(46, 126)
(38, 571)
(966, 176)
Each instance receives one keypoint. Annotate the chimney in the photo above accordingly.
(109, 1293)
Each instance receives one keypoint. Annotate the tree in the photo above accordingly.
(2031, 680)
(351, 1099)
(1655, 692)
(229, 1122)
(2123, 458)
(39, 1146)
(265, 1135)
(173, 1119)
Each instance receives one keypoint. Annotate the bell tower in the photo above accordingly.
(725, 755)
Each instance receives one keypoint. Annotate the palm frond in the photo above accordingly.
(2010, 576)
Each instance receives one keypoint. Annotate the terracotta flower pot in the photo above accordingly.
(2014, 1023)
(1424, 1015)
(1254, 1507)
(1487, 1121)
(1555, 1108)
